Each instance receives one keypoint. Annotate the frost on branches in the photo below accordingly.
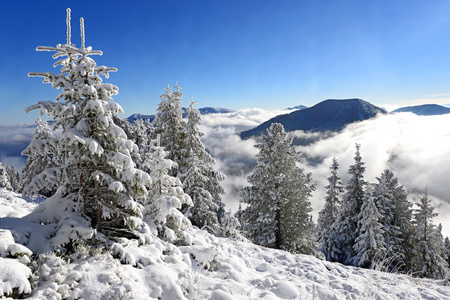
(278, 211)
(98, 185)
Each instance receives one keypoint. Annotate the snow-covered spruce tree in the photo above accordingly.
(346, 224)
(330, 211)
(98, 183)
(42, 153)
(165, 197)
(278, 211)
(169, 124)
(370, 247)
(396, 218)
(447, 249)
(4, 178)
(429, 258)
(138, 133)
(200, 180)
(14, 178)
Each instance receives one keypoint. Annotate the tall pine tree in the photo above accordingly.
(330, 211)
(346, 224)
(171, 127)
(98, 183)
(200, 180)
(278, 211)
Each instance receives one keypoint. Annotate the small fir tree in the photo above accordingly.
(42, 153)
(140, 136)
(278, 211)
(14, 179)
(429, 258)
(447, 249)
(396, 215)
(370, 247)
(4, 178)
(165, 197)
(330, 211)
(346, 224)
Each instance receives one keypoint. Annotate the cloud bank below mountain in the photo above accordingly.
(415, 148)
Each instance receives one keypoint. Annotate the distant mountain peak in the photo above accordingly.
(425, 110)
(298, 107)
(203, 111)
(328, 115)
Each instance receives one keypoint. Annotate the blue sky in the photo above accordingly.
(236, 53)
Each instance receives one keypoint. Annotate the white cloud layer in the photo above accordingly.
(415, 148)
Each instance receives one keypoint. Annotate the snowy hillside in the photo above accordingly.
(209, 268)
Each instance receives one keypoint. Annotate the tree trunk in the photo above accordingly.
(278, 229)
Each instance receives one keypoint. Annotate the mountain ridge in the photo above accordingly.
(203, 111)
(328, 115)
(424, 110)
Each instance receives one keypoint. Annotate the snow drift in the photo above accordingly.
(209, 268)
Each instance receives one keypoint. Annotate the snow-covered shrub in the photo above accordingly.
(15, 275)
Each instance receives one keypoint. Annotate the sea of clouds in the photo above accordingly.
(415, 148)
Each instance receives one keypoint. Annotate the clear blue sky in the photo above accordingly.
(236, 53)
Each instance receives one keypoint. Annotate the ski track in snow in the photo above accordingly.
(212, 268)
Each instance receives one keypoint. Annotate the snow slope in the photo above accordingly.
(209, 268)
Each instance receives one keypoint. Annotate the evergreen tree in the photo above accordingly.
(200, 180)
(395, 209)
(171, 127)
(97, 182)
(4, 178)
(346, 225)
(447, 249)
(140, 136)
(278, 211)
(14, 178)
(330, 211)
(165, 197)
(125, 125)
(370, 247)
(41, 153)
(429, 257)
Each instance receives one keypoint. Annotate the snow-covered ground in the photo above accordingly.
(210, 268)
